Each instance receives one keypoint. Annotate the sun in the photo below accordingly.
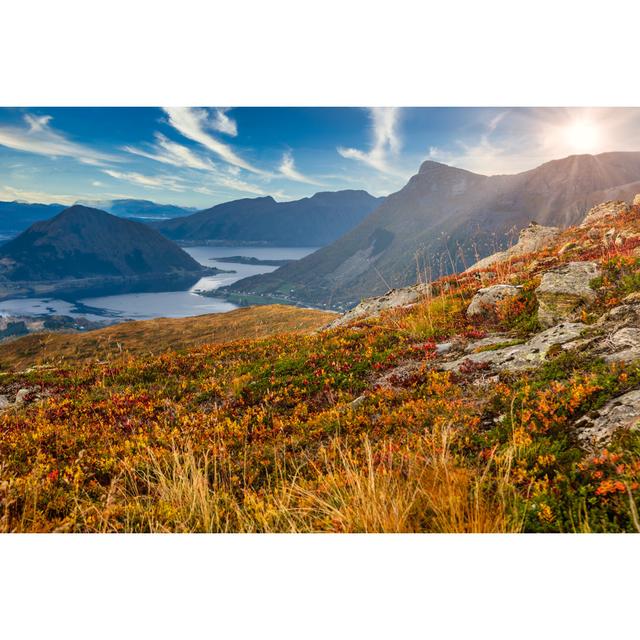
(582, 136)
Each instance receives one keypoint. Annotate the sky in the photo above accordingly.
(199, 157)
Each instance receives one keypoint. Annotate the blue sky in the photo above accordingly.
(202, 156)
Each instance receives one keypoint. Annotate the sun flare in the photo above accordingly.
(582, 136)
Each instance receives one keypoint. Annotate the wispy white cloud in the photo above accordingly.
(221, 122)
(236, 184)
(26, 195)
(169, 152)
(152, 182)
(288, 170)
(40, 138)
(193, 123)
(386, 140)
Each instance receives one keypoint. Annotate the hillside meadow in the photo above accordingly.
(353, 429)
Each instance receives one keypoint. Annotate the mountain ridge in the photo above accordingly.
(444, 219)
(310, 221)
(82, 246)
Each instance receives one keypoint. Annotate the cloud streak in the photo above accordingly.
(40, 138)
(152, 182)
(193, 123)
(169, 152)
(386, 140)
(221, 122)
(11, 193)
(288, 170)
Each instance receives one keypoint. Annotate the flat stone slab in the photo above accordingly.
(622, 412)
(523, 356)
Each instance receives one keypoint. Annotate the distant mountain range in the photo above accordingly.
(313, 221)
(443, 220)
(143, 209)
(16, 216)
(85, 244)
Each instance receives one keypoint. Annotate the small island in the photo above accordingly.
(253, 261)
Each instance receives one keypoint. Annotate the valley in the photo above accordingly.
(499, 399)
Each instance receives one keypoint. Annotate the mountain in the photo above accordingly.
(313, 221)
(443, 220)
(500, 400)
(17, 216)
(81, 242)
(143, 209)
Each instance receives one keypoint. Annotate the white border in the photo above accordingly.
(337, 52)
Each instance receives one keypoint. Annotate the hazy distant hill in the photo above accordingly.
(443, 219)
(17, 216)
(145, 209)
(312, 221)
(81, 242)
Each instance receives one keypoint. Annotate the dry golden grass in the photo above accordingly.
(416, 490)
(158, 335)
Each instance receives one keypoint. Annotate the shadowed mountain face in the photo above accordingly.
(311, 221)
(443, 220)
(81, 242)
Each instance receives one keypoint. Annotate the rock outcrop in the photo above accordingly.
(623, 412)
(519, 357)
(486, 300)
(532, 238)
(610, 209)
(565, 291)
(372, 307)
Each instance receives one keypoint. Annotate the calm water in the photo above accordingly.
(167, 304)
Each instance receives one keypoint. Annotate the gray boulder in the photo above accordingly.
(486, 300)
(21, 396)
(372, 307)
(565, 291)
(620, 413)
(532, 238)
(600, 212)
(636, 200)
(623, 345)
(520, 357)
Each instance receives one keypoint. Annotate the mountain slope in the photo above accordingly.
(313, 221)
(81, 242)
(437, 415)
(168, 334)
(443, 220)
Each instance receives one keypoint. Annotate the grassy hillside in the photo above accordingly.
(149, 337)
(358, 428)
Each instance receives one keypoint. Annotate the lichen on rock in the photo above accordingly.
(565, 291)
(486, 300)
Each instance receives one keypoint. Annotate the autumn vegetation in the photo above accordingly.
(309, 431)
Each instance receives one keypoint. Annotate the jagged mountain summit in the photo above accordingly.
(82, 242)
(313, 221)
(444, 220)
